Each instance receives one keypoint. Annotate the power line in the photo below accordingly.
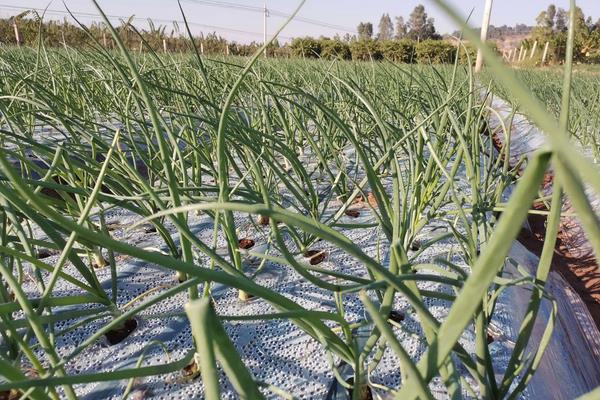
(96, 18)
(277, 13)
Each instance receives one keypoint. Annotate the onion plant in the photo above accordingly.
(285, 149)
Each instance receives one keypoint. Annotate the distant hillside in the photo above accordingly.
(506, 37)
(504, 31)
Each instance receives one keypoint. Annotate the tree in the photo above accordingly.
(401, 29)
(386, 28)
(365, 30)
(560, 22)
(430, 32)
(550, 16)
(419, 26)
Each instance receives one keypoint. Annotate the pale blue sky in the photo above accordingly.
(245, 26)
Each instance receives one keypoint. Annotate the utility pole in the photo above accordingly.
(487, 13)
(265, 15)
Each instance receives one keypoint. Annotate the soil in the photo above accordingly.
(113, 226)
(372, 200)
(149, 228)
(246, 243)
(573, 259)
(117, 335)
(10, 394)
(316, 256)
(352, 213)
(396, 316)
(191, 371)
(101, 265)
(581, 271)
(358, 200)
(44, 253)
(366, 393)
(415, 245)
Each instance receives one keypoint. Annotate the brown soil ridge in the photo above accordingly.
(574, 258)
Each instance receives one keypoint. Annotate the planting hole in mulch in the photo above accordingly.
(316, 256)
(44, 253)
(358, 199)
(352, 213)
(99, 264)
(366, 393)
(117, 335)
(113, 226)
(415, 245)
(397, 316)
(245, 296)
(181, 277)
(372, 200)
(10, 394)
(263, 220)
(191, 371)
(246, 243)
(149, 229)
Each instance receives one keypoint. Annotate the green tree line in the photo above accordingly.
(403, 50)
(56, 33)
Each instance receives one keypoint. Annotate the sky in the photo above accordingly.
(321, 17)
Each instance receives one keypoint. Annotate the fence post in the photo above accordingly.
(165, 45)
(533, 49)
(521, 53)
(202, 48)
(545, 53)
(227, 49)
(17, 34)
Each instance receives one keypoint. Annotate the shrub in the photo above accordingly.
(435, 52)
(366, 50)
(332, 49)
(306, 47)
(402, 51)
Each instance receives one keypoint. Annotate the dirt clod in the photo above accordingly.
(316, 256)
(352, 213)
(117, 335)
(246, 243)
